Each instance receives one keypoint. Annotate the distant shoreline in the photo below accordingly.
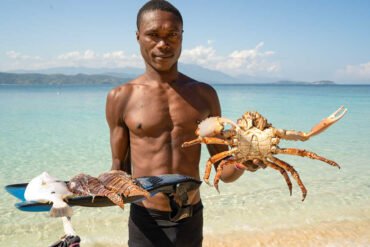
(213, 84)
(34, 79)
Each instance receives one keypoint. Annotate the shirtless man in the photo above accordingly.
(150, 117)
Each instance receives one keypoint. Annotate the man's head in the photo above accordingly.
(157, 5)
(159, 34)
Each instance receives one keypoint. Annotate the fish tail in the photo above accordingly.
(61, 209)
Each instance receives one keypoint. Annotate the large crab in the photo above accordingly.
(116, 185)
(252, 138)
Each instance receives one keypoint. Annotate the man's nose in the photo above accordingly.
(163, 44)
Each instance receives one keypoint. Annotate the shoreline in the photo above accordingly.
(334, 234)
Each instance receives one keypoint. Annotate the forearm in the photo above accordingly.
(116, 164)
(120, 150)
(124, 165)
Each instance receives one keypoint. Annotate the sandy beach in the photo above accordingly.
(339, 234)
(108, 228)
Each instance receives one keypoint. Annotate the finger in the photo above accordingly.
(257, 162)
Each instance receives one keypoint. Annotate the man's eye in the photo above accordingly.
(175, 36)
(153, 34)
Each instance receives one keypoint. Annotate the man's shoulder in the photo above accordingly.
(125, 89)
(206, 92)
(198, 85)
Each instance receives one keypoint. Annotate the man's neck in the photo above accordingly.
(169, 76)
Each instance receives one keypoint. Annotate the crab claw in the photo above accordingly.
(213, 126)
(338, 114)
(209, 127)
(327, 122)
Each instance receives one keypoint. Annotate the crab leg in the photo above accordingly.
(282, 171)
(213, 160)
(294, 173)
(206, 140)
(305, 153)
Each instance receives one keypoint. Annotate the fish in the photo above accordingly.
(46, 188)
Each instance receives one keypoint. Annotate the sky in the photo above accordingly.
(295, 40)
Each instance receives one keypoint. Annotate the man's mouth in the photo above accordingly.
(163, 55)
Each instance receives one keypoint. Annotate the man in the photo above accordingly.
(150, 117)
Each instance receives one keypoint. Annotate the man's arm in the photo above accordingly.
(229, 173)
(119, 133)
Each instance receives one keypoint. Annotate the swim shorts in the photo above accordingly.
(154, 228)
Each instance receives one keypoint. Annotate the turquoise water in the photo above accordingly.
(62, 130)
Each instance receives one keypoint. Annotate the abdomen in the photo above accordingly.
(254, 143)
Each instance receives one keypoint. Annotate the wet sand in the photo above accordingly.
(112, 232)
(354, 234)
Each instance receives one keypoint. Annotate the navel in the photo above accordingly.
(138, 126)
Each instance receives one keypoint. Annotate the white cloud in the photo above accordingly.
(19, 56)
(114, 55)
(87, 58)
(90, 58)
(254, 61)
(360, 72)
(201, 55)
(13, 54)
(69, 55)
(76, 55)
(248, 61)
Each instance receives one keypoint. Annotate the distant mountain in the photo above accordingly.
(195, 71)
(206, 75)
(58, 79)
(287, 82)
(324, 82)
(83, 75)
(123, 72)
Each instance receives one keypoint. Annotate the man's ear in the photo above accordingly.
(137, 35)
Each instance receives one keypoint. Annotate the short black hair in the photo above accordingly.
(157, 5)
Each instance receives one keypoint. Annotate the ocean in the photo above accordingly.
(62, 130)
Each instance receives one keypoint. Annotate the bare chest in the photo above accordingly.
(164, 111)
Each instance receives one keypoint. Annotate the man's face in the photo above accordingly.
(160, 39)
